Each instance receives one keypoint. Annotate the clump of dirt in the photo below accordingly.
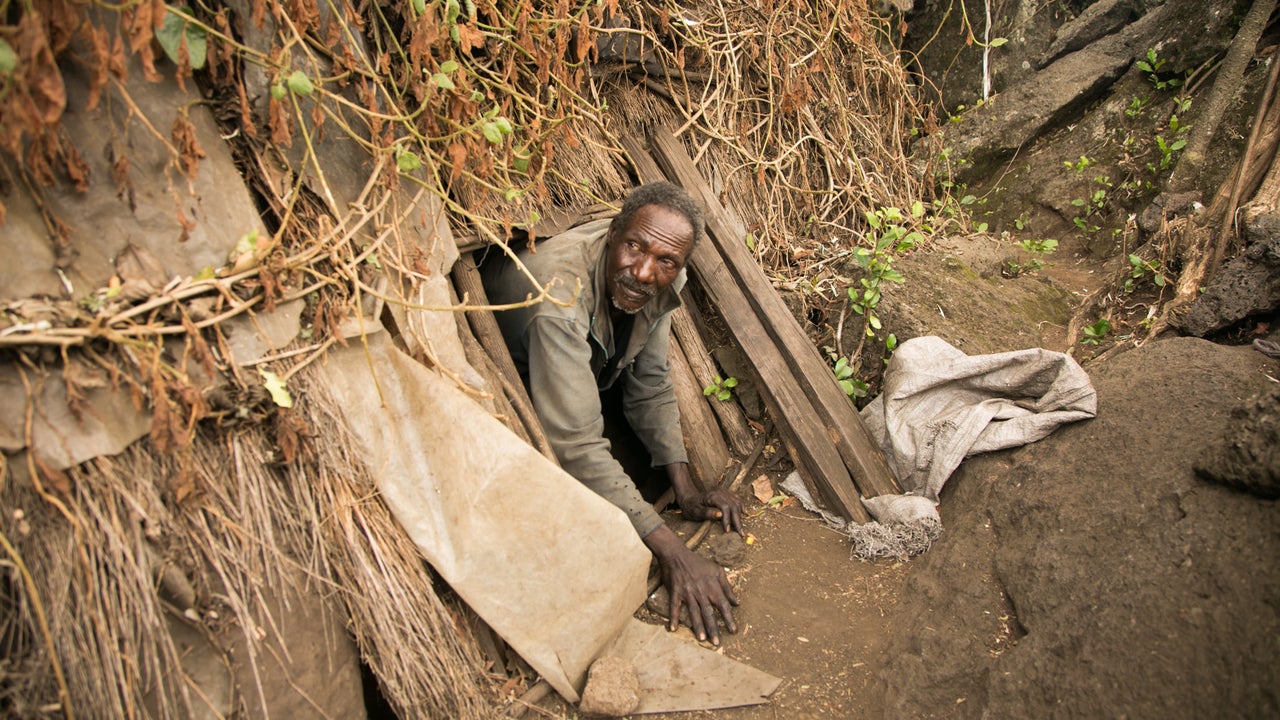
(1249, 458)
(1094, 574)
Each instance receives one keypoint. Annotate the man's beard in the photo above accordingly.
(624, 279)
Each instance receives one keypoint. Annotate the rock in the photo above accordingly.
(659, 603)
(613, 688)
(1248, 284)
(727, 549)
(1167, 206)
(1097, 20)
(1249, 460)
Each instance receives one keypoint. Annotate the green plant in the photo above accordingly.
(722, 389)
(1094, 334)
(852, 386)
(1151, 65)
(1079, 165)
(1139, 270)
(1167, 149)
(1136, 106)
(889, 233)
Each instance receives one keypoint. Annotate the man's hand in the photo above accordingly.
(717, 504)
(697, 506)
(694, 582)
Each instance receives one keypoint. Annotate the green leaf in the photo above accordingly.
(278, 91)
(248, 242)
(491, 132)
(997, 42)
(444, 82)
(511, 194)
(8, 58)
(751, 241)
(891, 342)
(299, 84)
(408, 161)
(174, 29)
(504, 125)
(708, 390)
(449, 66)
(917, 209)
(731, 382)
(419, 7)
(968, 200)
(982, 227)
(274, 385)
(206, 274)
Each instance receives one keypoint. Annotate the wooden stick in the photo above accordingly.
(708, 454)
(466, 279)
(1237, 188)
(729, 413)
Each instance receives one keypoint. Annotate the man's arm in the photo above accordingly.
(563, 390)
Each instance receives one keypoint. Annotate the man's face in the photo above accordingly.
(646, 256)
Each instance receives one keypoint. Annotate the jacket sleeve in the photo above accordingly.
(649, 399)
(564, 394)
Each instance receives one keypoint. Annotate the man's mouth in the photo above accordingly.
(632, 292)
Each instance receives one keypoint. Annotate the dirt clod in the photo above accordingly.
(613, 688)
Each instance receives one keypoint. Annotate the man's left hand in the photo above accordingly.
(718, 504)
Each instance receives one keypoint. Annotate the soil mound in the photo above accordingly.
(1096, 573)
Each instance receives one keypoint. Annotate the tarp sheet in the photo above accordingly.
(556, 570)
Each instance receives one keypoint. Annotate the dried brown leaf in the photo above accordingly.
(762, 488)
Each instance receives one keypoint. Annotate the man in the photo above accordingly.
(630, 272)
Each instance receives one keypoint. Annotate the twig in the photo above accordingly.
(37, 606)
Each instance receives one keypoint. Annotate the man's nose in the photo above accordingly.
(645, 270)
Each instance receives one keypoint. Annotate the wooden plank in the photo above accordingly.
(794, 415)
(729, 413)
(859, 452)
(466, 281)
(708, 454)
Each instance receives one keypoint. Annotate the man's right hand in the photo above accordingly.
(694, 582)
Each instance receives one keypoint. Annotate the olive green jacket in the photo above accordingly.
(562, 351)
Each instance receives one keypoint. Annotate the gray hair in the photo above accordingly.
(667, 195)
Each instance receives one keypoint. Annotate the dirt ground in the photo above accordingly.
(1094, 573)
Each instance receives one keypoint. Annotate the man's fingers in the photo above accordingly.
(696, 618)
(726, 612)
(713, 629)
(673, 623)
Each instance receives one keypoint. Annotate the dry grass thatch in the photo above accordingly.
(117, 560)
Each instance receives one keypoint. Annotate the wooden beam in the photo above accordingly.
(466, 282)
(819, 460)
(729, 413)
(708, 454)
(837, 414)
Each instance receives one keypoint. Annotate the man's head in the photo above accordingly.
(649, 243)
